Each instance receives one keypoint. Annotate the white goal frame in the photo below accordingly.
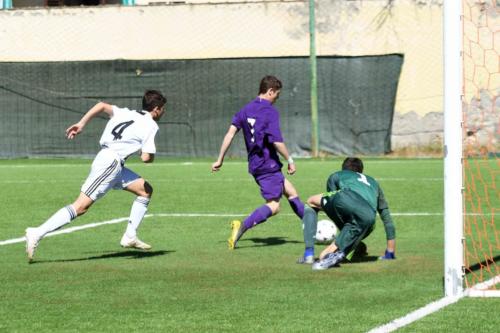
(453, 159)
(453, 204)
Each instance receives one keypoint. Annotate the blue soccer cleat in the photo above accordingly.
(330, 260)
(387, 256)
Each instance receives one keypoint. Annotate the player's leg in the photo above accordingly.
(357, 219)
(104, 170)
(60, 218)
(66, 214)
(364, 219)
(133, 183)
(271, 188)
(349, 237)
(261, 214)
(360, 249)
(334, 205)
(309, 226)
(332, 255)
(314, 201)
(328, 202)
(293, 199)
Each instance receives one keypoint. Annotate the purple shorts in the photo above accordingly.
(271, 185)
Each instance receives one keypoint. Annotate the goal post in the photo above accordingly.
(453, 229)
(471, 39)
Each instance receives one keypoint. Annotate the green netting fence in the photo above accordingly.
(356, 96)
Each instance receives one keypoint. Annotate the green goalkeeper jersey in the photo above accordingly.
(369, 189)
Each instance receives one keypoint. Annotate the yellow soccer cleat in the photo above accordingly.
(235, 228)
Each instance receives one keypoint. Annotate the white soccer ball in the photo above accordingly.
(326, 231)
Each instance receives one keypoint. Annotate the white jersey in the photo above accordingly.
(129, 131)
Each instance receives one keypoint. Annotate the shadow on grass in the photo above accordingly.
(268, 241)
(357, 259)
(130, 254)
(478, 266)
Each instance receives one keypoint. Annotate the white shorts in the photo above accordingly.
(107, 172)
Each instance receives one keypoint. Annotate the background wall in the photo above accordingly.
(38, 100)
(249, 29)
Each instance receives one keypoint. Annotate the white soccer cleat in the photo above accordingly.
(32, 240)
(306, 260)
(134, 243)
(330, 260)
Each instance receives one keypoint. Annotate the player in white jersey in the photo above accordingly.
(127, 132)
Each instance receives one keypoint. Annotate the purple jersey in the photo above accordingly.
(260, 122)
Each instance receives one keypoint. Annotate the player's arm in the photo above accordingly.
(333, 183)
(273, 132)
(283, 151)
(147, 157)
(314, 201)
(148, 147)
(390, 230)
(77, 128)
(226, 143)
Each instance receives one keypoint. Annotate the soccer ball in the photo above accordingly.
(326, 231)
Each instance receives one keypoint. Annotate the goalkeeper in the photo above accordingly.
(351, 201)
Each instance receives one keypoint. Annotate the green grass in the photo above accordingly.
(84, 282)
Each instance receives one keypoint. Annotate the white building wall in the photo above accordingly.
(242, 29)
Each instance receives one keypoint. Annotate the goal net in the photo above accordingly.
(481, 148)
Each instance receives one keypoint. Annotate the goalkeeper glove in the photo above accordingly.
(388, 255)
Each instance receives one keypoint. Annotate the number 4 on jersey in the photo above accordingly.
(117, 131)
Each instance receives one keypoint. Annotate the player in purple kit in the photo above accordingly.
(260, 122)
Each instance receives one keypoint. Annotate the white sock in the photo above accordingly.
(63, 216)
(139, 209)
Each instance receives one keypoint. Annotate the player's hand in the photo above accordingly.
(74, 130)
(329, 249)
(216, 166)
(291, 168)
(388, 255)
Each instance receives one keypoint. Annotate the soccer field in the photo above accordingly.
(83, 281)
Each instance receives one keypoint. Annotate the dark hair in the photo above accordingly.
(353, 164)
(152, 99)
(269, 82)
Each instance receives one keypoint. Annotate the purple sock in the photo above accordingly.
(297, 206)
(258, 216)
